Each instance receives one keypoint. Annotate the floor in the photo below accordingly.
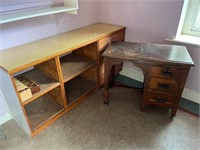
(184, 104)
(121, 125)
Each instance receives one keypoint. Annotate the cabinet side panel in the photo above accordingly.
(12, 101)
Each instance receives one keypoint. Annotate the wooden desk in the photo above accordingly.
(165, 69)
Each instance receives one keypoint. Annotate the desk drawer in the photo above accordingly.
(160, 98)
(170, 73)
(119, 36)
(164, 85)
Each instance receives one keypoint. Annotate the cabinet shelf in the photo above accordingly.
(72, 65)
(77, 88)
(45, 82)
(36, 13)
(42, 110)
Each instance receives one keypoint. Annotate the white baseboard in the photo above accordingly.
(4, 112)
(191, 95)
(4, 118)
(136, 75)
(133, 74)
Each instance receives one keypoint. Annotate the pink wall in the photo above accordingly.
(146, 21)
(23, 31)
(150, 21)
(19, 32)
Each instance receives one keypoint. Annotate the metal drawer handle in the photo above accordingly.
(166, 73)
(161, 100)
(163, 86)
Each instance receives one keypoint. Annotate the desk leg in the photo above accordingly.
(111, 68)
(106, 82)
(174, 110)
(107, 69)
(146, 73)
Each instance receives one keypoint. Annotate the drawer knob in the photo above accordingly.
(163, 86)
(166, 73)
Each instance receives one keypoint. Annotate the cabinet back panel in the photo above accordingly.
(89, 51)
(49, 67)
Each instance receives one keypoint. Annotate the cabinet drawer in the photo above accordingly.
(160, 98)
(119, 36)
(170, 73)
(164, 85)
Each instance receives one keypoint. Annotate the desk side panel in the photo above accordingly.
(12, 101)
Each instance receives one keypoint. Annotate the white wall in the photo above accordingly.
(23, 31)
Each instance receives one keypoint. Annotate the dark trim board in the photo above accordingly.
(189, 106)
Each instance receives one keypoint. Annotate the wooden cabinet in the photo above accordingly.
(47, 104)
(79, 72)
(102, 45)
(66, 67)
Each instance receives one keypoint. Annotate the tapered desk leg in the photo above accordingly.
(109, 63)
(174, 109)
(106, 82)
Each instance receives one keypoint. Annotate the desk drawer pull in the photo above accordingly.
(161, 100)
(163, 86)
(166, 73)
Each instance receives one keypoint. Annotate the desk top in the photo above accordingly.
(18, 58)
(149, 52)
